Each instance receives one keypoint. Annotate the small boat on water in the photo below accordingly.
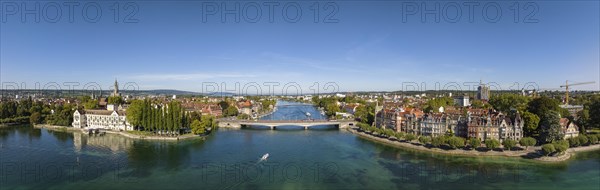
(264, 157)
(307, 114)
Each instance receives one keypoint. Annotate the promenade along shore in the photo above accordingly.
(532, 153)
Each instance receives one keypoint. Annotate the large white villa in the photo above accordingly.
(101, 119)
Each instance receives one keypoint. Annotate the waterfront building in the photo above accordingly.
(244, 107)
(568, 128)
(495, 126)
(101, 119)
(433, 125)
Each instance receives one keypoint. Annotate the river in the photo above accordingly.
(318, 158)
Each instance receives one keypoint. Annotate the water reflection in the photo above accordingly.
(112, 142)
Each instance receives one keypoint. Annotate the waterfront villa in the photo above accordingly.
(568, 128)
(495, 126)
(101, 119)
(433, 125)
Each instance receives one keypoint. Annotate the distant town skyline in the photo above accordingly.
(374, 46)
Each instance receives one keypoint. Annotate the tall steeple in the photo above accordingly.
(116, 88)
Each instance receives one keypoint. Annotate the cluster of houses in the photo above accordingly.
(469, 123)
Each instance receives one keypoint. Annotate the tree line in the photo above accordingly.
(36, 112)
(167, 119)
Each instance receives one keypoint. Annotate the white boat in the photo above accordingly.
(307, 114)
(264, 157)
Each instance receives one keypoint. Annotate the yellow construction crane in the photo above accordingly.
(566, 86)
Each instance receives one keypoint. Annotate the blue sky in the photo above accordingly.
(370, 47)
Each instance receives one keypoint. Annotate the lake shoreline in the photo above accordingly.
(532, 153)
(3, 125)
(122, 133)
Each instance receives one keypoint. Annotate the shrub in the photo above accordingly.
(399, 135)
(410, 137)
(527, 142)
(548, 149)
(491, 143)
(574, 142)
(509, 144)
(438, 141)
(424, 139)
(474, 143)
(593, 139)
(363, 126)
(583, 140)
(561, 146)
(456, 142)
(388, 132)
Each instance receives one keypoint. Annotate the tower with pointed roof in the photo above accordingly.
(116, 89)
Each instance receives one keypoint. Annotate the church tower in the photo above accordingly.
(116, 89)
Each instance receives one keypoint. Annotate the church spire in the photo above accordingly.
(116, 88)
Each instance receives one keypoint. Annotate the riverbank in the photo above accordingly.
(532, 153)
(122, 133)
(11, 124)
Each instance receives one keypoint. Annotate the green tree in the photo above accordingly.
(438, 141)
(474, 143)
(91, 104)
(539, 106)
(549, 127)
(434, 104)
(527, 142)
(424, 139)
(365, 113)
(593, 139)
(491, 143)
(583, 140)
(197, 127)
(35, 118)
(115, 100)
(410, 137)
(583, 120)
(561, 146)
(224, 105)
(195, 116)
(573, 142)
(509, 144)
(134, 112)
(456, 142)
(208, 122)
(230, 111)
(506, 102)
(399, 135)
(594, 111)
(548, 149)
(531, 122)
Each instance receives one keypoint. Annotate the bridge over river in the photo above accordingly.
(274, 123)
